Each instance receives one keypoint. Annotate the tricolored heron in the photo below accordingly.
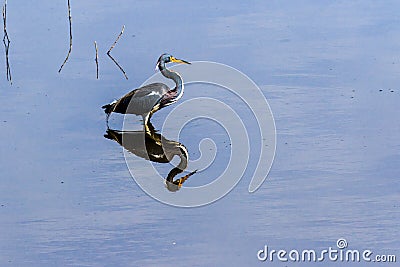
(150, 145)
(148, 99)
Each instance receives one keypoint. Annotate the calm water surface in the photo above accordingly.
(329, 69)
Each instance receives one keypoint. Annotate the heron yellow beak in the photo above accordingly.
(179, 60)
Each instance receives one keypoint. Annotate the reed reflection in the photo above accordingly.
(150, 145)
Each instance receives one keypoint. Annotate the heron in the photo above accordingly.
(150, 98)
(150, 145)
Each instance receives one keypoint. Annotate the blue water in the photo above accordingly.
(329, 69)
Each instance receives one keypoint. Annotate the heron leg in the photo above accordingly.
(107, 116)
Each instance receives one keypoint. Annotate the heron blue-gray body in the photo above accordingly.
(150, 98)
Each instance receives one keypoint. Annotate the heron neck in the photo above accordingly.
(175, 77)
(183, 155)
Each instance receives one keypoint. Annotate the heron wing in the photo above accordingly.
(141, 100)
(151, 149)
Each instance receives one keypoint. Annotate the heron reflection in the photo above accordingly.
(150, 98)
(150, 145)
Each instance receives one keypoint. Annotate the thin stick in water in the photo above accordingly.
(116, 63)
(97, 59)
(112, 47)
(119, 36)
(70, 36)
(6, 42)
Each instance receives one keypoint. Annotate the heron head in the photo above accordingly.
(167, 58)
